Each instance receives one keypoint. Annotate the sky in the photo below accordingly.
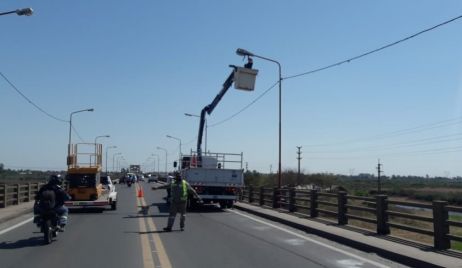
(143, 64)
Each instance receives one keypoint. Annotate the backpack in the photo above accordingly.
(47, 199)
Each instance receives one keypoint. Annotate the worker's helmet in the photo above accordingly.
(177, 175)
(55, 179)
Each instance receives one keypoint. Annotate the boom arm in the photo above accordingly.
(209, 109)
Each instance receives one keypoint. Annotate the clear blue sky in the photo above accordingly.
(142, 64)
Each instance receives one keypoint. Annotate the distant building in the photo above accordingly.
(135, 168)
(365, 176)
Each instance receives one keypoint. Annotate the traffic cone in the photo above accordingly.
(140, 192)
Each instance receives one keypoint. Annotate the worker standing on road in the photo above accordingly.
(179, 190)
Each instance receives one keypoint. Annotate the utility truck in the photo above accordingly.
(85, 185)
(218, 177)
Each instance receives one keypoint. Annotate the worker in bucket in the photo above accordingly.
(179, 190)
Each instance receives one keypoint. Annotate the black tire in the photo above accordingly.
(192, 204)
(229, 204)
(223, 204)
(113, 205)
(47, 232)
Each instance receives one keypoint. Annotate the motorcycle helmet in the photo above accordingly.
(55, 179)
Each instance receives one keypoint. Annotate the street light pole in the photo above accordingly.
(160, 148)
(20, 12)
(243, 52)
(70, 127)
(113, 162)
(118, 162)
(96, 139)
(103, 136)
(206, 129)
(158, 170)
(179, 154)
(107, 149)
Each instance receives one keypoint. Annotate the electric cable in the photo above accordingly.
(372, 51)
(31, 102)
(244, 108)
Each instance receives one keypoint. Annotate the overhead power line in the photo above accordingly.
(38, 107)
(77, 133)
(244, 108)
(372, 51)
(31, 102)
(416, 129)
(337, 64)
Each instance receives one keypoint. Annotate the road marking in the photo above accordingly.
(161, 253)
(16, 226)
(145, 245)
(312, 240)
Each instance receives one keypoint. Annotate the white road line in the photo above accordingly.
(312, 240)
(15, 226)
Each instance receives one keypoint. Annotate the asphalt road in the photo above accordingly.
(132, 237)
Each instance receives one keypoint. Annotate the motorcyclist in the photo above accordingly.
(60, 197)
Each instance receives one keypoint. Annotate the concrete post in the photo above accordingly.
(275, 197)
(342, 209)
(382, 216)
(313, 203)
(292, 207)
(29, 192)
(250, 194)
(5, 196)
(261, 199)
(441, 225)
(18, 187)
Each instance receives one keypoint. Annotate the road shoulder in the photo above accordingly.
(368, 242)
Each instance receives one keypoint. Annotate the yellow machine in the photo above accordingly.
(84, 164)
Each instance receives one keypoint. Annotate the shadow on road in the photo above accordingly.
(152, 232)
(85, 210)
(144, 216)
(23, 243)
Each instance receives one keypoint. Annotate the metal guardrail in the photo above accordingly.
(14, 194)
(340, 206)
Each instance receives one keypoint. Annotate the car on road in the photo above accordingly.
(153, 178)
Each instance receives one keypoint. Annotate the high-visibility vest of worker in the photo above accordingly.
(179, 192)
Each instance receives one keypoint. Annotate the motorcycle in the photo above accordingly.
(48, 223)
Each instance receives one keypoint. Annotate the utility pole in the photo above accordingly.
(246, 166)
(271, 169)
(299, 158)
(379, 171)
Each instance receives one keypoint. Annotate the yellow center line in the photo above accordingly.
(148, 261)
(160, 250)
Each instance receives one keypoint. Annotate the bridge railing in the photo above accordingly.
(378, 211)
(14, 194)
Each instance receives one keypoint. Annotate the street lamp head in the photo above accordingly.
(25, 11)
(168, 136)
(90, 110)
(243, 52)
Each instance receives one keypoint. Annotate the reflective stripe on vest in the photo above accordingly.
(184, 189)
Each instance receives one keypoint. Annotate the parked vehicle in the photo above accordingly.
(153, 178)
(214, 178)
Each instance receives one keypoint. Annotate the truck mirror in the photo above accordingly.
(175, 164)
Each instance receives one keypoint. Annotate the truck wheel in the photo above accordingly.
(192, 204)
(114, 205)
(223, 204)
(229, 204)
